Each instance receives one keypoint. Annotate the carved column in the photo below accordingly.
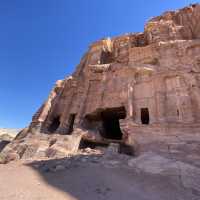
(160, 98)
(130, 99)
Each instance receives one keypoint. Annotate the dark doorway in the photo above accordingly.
(84, 143)
(145, 115)
(106, 57)
(54, 125)
(127, 149)
(71, 123)
(111, 127)
(177, 111)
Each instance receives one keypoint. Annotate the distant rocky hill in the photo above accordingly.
(10, 131)
(7, 135)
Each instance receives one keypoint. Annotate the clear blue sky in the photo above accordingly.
(43, 40)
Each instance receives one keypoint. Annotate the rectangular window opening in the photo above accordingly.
(145, 115)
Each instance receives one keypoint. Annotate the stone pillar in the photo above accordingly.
(64, 118)
(195, 93)
(160, 99)
(130, 101)
(83, 102)
(186, 107)
(130, 94)
(160, 106)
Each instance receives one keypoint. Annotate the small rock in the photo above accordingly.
(11, 156)
(45, 168)
(87, 150)
(36, 166)
(84, 159)
(59, 167)
(111, 151)
(113, 162)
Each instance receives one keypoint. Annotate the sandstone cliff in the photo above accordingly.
(128, 88)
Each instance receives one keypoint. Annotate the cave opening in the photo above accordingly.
(84, 143)
(177, 112)
(106, 57)
(110, 121)
(71, 123)
(106, 121)
(54, 124)
(145, 115)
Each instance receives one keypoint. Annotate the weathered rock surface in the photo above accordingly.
(187, 174)
(5, 139)
(40, 147)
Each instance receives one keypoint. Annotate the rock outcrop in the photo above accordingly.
(6, 136)
(141, 90)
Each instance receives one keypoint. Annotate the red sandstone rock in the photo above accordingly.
(133, 89)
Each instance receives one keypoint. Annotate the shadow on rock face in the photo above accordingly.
(3, 143)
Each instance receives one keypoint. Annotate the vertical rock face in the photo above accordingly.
(151, 77)
(136, 83)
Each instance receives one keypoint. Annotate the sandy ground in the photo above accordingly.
(85, 181)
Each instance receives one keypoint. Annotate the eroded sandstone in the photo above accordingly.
(139, 90)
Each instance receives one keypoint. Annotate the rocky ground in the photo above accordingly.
(100, 174)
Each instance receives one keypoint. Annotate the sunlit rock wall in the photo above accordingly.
(155, 73)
